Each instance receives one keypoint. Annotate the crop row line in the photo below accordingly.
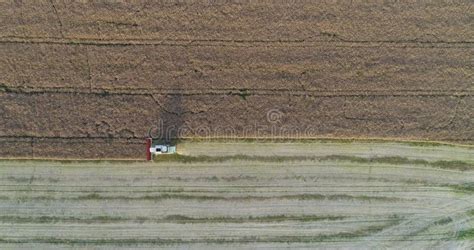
(332, 41)
(326, 37)
(132, 138)
(183, 219)
(235, 92)
(71, 139)
(32, 87)
(207, 188)
(337, 238)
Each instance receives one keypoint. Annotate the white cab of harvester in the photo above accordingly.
(163, 149)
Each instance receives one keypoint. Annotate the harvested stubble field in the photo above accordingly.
(89, 79)
(327, 195)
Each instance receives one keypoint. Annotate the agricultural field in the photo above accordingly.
(299, 124)
(82, 79)
(268, 195)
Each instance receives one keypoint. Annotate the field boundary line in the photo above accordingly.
(254, 139)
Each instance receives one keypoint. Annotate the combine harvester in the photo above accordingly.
(158, 149)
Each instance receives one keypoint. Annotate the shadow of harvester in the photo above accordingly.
(170, 123)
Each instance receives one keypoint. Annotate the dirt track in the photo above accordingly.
(94, 78)
(244, 203)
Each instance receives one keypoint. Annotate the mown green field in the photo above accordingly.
(246, 195)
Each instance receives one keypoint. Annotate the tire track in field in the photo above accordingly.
(237, 92)
(331, 40)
